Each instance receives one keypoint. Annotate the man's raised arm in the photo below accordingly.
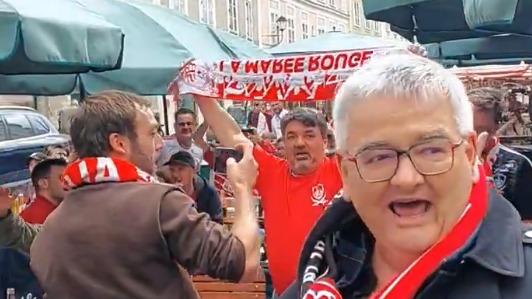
(221, 122)
(14, 232)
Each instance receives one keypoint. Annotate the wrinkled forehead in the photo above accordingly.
(145, 117)
(399, 121)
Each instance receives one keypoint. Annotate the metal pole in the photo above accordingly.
(165, 115)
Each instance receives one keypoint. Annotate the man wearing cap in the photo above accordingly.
(183, 173)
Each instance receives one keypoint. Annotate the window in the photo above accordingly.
(368, 24)
(232, 17)
(206, 13)
(248, 16)
(332, 27)
(332, 3)
(40, 127)
(378, 27)
(3, 131)
(290, 24)
(341, 28)
(18, 126)
(356, 13)
(179, 5)
(321, 26)
(304, 25)
(274, 14)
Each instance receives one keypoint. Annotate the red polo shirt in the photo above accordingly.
(38, 210)
(292, 204)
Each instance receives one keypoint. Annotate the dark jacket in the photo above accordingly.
(496, 264)
(207, 199)
(131, 240)
(512, 175)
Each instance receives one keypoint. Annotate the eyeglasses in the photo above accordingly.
(429, 158)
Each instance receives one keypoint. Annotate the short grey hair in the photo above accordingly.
(401, 75)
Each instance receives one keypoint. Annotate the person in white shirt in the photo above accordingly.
(278, 113)
(185, 127)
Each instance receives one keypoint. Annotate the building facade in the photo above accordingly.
(359, 24)
(255, 20)
(240, 17)
(305, 18)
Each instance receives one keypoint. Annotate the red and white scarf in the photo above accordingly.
(96, 170)
(407, 284)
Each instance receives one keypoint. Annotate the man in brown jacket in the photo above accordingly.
(120, 235)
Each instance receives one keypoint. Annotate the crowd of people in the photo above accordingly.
(400, 196)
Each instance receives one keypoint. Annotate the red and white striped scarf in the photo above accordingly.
(406, 284)
(97, 170)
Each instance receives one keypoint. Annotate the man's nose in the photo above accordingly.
(158, 142)
(406, 176)
(300, 141)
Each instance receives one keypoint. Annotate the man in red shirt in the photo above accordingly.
(294, 191)
(46, 179)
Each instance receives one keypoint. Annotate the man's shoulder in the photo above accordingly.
(140, 189)
(507, 156)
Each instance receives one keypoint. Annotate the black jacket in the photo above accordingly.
(496, 264)
(512, 175)
(207, 199)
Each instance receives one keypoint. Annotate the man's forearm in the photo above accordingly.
(199, 134)
(245, 228)
(16, 233)
(222, 123)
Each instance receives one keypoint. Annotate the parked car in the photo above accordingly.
(23, 131)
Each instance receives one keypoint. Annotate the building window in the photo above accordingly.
(291, 25)
(274, 14)
(304, 25)
(332, 27)
(368, 24)
(356, 13)
(332, 3)
(341, 28)
(179, 5)
(377, 27)
(206, 12)
(321, 26)
(248, 15)
(232, 16)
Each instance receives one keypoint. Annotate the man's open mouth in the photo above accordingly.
(302, 156)
(410, 208)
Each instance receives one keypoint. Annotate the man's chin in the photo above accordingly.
(302, 168)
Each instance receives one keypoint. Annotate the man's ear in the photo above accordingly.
(344, 173)
(119, 144)
(474, 153)
(472, 150)
(43, 184)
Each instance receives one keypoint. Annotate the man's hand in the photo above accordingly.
(482, 141)
(242, 175)
(417, 49)
(6, 201)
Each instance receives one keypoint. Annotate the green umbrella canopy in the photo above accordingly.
(332, 42)
(36, 38)
(432, 21)
(505, 48)
(158, 40)
(241, 48)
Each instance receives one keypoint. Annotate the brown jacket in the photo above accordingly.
(131, 240)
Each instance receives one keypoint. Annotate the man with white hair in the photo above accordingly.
(416, 219)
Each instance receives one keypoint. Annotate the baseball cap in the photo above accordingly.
(37, 156)
(183, 158)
